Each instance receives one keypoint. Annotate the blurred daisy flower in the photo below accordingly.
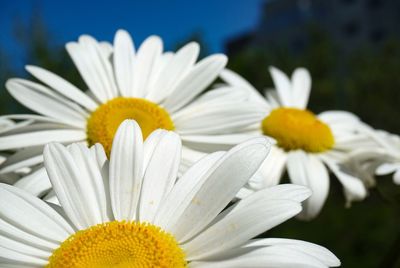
(131, 212)
(305, 144)
(380, 156)
(157, 89)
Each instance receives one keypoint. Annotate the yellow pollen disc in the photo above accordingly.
(119, 244)
(298, 129)
(105, 120)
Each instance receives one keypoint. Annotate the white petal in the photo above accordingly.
(18, 258)
(178, 66)
(62, 86)
(217, 188)
(387, 168)
(241, 225)
(42, 100)
(36, 183)
(177, 200)
(126, 170)
(236, 80)
(322, 254)
(270, 171)
(90, 172)
(354, 188)
(301, 82)
(94, 67)
(211, 143)
(218, 96)
(15, 246)
(146, 58)
(161, 173)
(31, 117)
(305, 169)
(30, 215)
(283, 86)
(106, 49)
(202, 74)
(338, 116)
(77, 182)
(189, 157)
(124, 56)
(40, 138)
(227, 119)
(293, 192)
(26, 157)
(396, 177)
(275, 256)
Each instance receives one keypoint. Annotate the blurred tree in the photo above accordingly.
(6, 101)
(373, 85)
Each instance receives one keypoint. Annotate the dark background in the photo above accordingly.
(351, 47)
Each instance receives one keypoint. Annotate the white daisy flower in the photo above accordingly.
(131, 212)
(304, 144)
(157, 89)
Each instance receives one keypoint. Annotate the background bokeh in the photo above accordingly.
(351, 47)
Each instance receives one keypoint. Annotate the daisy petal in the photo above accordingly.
(126, 170)
(42, 100)
(24, 259)
(31, 215)
(322, 254)
(229, 118)
(202, 74)
(62, 86)
(386, 168)
(396, 177)
(147, 55)
(301, 82)
(270, 171)
(124, 57)
(354, 188)
(202, 205)
(175, 203)
(240, 225)
(307, 170)
(265, 257)
(26, 157)
(161, 173)
(40, 138)
(211, 143)
(94, 68)
(283, 86)
(236, 80)
(37, 183)
(77, 185)
(172, 72)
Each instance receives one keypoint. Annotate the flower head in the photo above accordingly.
(157, 89)
(305, 144)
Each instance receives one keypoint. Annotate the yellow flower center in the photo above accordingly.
(298, 129)
(119, 244)
(105, 120)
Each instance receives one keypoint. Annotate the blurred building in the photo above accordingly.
(351, 24)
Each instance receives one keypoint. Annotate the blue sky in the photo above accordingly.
(173, 20)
